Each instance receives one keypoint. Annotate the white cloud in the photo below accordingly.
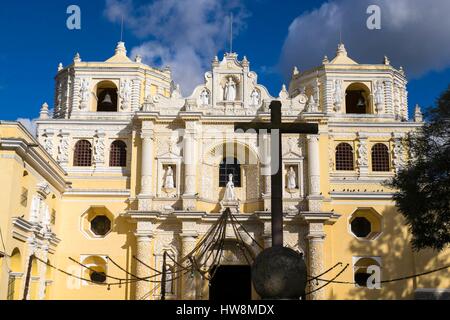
(414, 33)
(184, 34)
(29, 124)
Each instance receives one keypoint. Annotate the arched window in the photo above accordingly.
(361, 274)
(106, 97)
(83, 154)
(380, 157)
(229, 166)
(118, 154)
(357, 99)
(344, 157)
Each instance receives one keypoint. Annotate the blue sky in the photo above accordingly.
(274, 35)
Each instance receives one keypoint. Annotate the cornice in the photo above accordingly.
(27, 152)
(361, 195)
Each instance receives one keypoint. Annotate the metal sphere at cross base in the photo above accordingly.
(279, 273)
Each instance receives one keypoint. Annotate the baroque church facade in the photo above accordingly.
(126, 170)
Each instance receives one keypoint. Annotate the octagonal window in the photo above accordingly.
(97, 222)
(361, 227)
(365, 223)
(100, 225)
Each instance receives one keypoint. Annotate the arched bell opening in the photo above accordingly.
(357, 99)
(106, 97)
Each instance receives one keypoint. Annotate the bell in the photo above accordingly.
(107, 99)
(361, 102)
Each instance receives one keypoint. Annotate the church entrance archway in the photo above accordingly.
(231, 282)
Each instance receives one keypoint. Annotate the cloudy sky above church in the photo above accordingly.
(187, 34)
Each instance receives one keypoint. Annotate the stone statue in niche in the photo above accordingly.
(99, 151)
(378, 95)
(254, 98)
(63, 150)
(230, 195)
(125, 93)
(362, 151)
(48, 145)
(230, 90)
(338, 95)
(84, 93)
(169, 181)
(291, 179)
(204, 97)
(312, 105)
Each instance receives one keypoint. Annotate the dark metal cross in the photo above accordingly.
(277, 128)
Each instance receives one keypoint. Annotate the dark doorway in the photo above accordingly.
(231, 283)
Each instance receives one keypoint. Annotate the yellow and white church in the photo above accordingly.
(126, 169)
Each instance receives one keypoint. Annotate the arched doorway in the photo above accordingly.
(232, 278)
(231, 282)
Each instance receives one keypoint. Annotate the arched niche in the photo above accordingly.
(248, 159)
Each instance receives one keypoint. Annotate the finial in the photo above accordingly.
(418, 116)
(44, 111)
(283, 93)
(120, 48)
(176, 92)
(167, 69)
(295, 71)
(77, 58)
(60, 66)
(341, 51)
(387, 61)
(138, 58)
(325, 60)
(244, 61)
(401, 70)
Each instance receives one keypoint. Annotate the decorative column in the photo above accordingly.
(189, 159)
(363, 161)
(316, 238)
(99, 148)
(188, 242)
(144, 236)
(63, 148)
(314, 197)
(42, 269)
(316, 256)
(398, 156)
(76, 94)
(146, 194)
(29, 284)
(47, 140)
(135, 94)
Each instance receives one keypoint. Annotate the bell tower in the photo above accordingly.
(344, 88)
(114, 88)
